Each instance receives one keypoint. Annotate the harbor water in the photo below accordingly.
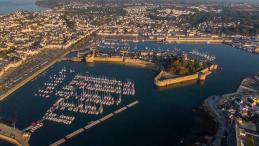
(163, 116)
(4, 143)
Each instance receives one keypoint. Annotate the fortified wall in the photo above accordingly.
(122, 60)
(201, 75)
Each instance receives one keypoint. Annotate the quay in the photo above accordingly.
(170, 39)
(199, 40)
(73, 59)
(13, 135)
(93, 123)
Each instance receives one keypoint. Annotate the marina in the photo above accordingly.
(85, 94)
(50, 85)
(195, 54)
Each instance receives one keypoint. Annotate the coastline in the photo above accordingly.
(67, 49)
(211, 104)
(48, 65)
(22, 83)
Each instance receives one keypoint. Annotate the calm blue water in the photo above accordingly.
(3, 143)
(163, 116)
(8, 6)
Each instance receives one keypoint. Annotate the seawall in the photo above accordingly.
(201, 75)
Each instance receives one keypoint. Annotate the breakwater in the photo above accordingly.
(93, 123)
(201, 75)
(123, 60)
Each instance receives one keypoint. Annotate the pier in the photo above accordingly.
(93, 123)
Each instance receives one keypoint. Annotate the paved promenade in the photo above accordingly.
(13, 135)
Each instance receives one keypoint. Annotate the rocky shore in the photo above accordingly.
(211, 106)
(204, 132)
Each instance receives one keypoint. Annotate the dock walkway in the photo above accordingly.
(88, 126)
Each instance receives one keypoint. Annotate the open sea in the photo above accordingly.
(163, 117)
(8, 6)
